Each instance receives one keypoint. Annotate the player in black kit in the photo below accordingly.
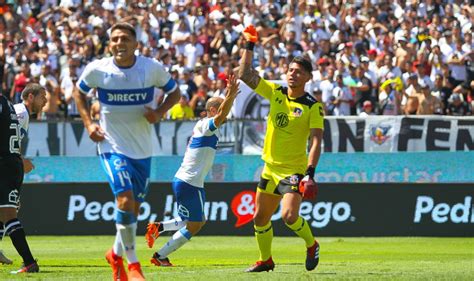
(12, 171)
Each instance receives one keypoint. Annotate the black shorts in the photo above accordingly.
(11, 179)
(279, 181)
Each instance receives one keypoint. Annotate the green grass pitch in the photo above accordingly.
(225, 258)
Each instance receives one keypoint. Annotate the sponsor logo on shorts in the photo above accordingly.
(14, 197)
(183, 211)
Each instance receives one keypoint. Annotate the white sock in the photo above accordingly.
(118, 248)
(174, 224)
(177, 240)
(127, 235)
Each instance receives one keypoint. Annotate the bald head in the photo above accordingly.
(214, 102)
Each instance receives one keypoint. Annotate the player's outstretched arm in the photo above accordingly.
(154, 116)
(95, 131)
(246, 72)
(231, 92)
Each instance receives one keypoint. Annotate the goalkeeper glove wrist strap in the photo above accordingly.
(310, 171)
(249, 45)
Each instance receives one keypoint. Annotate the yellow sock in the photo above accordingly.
(264, 236)
(301, 228)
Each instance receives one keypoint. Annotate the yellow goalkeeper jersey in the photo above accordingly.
(288, 125)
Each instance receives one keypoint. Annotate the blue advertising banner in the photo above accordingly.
(434, 167)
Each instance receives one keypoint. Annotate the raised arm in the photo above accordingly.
(246, 72)
(231, 92)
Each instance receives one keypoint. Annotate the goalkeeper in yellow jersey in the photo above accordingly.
(294, 118)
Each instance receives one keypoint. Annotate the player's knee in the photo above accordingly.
(7, 214)
(125, 203)
(289, 217)
(194, 227)
(260, 220)
(124, 217)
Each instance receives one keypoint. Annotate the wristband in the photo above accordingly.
(310, 172)
(249, 45)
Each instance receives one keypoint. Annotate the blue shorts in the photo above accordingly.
(127, 174)
(190, 201)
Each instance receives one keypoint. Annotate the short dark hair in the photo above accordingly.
(31, 88)
(124, 26)
(304, 62)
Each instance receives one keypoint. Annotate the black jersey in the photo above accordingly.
(9, 129)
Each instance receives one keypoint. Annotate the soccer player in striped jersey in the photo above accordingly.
(14, 122)
(125, 86)
(287, 177)
(188, 184)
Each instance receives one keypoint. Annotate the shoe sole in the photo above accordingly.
(157, 263)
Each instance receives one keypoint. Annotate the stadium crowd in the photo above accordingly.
(369, 57)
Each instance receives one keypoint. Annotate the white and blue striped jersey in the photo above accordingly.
(199, 155)
(123, 94)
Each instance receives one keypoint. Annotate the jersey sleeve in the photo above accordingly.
(23, 118)
(163, 79)
(206, 126)
(88, 79)
(265, 88)
(316, 120)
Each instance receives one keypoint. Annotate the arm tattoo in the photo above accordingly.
(249, 75)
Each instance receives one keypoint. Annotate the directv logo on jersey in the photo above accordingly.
(126, 97)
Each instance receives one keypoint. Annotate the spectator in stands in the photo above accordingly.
(390, 100)
(441, 92)
(367, 109)
(457, 106)
(427, 103)
(393, 37)
(192, 51)
(19, 83)
(362, 88)
(342, 98)
(182, 110)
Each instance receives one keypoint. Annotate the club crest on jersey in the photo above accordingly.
(297, 112)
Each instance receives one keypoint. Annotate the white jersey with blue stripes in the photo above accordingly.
(123, 94)
(200, 153)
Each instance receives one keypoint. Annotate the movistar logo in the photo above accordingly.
(133, 97)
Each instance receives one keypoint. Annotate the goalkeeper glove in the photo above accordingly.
(250, 34)
(308, 186)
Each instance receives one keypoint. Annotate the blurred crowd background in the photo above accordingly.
(369, 57)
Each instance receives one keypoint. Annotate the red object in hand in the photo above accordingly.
(308, 188)
(250, 34)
